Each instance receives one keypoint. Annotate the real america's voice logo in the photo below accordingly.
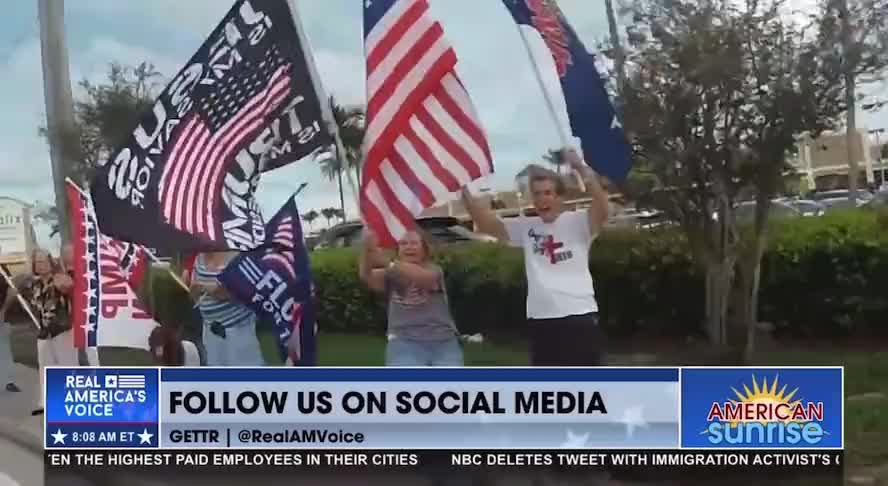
(767, 414)
(93, 396)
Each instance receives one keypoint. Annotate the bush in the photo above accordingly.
(820, 277)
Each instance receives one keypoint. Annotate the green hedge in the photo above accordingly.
(821, 277)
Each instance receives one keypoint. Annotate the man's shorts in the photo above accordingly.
(566, 341)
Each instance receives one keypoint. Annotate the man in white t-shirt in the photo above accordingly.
(562, 312)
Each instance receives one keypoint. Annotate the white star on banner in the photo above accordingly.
(58, 437)
(145, 437)
(575, 441)
(92, 294)
(633, 418)
(91, 275)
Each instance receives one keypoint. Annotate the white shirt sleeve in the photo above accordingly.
(516, 229)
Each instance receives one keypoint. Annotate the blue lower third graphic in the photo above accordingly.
(762, 408)
(106, 407)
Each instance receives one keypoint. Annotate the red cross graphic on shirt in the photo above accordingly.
(549, 246)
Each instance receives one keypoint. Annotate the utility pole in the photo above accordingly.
(617, 46)
(849, 66)
(59, 104)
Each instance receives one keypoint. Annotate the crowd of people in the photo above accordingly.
(562, 312)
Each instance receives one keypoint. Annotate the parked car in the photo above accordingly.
(838, 199)
(745, 211)
(637, 218)
(442, 230)
(806, 207)
(879, 201)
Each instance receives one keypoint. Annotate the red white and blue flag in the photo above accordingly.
(275, 281)
(593, 118)
(424, 140)
(105, 310)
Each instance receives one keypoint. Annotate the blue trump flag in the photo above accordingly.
(275, 281)
(592, 116)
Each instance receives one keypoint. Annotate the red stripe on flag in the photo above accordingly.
(404, 66)
(79, 292)
(449, 144)
(378, 149)
(423, 193)
(395, 34)
(469, 125)
(425, 153)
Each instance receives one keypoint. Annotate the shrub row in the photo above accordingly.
(820, 277)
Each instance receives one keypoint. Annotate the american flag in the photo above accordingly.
(284, 238)
(227, 117)
(424, 141)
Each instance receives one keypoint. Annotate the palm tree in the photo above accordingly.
(555, 158)
(328, 214)
(340, 214)
(350, 123)
(310, 218)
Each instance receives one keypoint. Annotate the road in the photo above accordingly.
(19, 466)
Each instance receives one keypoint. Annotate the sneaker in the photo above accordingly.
(12, 387)
(37, 412)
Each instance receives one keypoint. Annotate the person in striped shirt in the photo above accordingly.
(421, 329)
(229, 327)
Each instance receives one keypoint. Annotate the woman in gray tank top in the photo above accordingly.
(421, 329)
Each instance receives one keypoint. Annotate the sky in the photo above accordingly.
(493, 65)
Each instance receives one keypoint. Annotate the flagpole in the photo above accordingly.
(150, 255)
(550, 104)
(326, 109)
(21, 299)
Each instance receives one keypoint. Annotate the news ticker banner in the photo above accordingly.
(444, 408)
(773, 463)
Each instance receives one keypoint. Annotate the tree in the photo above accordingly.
(310, 218)
(328, 214)
(716, 94)
(340, 214)
(853, 38)
(105, 116)
(555, 158)
(350, 122)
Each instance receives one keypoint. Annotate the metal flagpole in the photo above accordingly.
(326, 109)
(550, 104)
(58, 99)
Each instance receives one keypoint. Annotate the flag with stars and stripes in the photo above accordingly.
(244, 104)
(105, 310)
(275, 281)
(593, 118)
(424, 141)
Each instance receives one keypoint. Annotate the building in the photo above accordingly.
(822, 162)
(17, 237)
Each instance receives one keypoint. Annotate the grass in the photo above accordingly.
(363, 350)
(866, 421)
